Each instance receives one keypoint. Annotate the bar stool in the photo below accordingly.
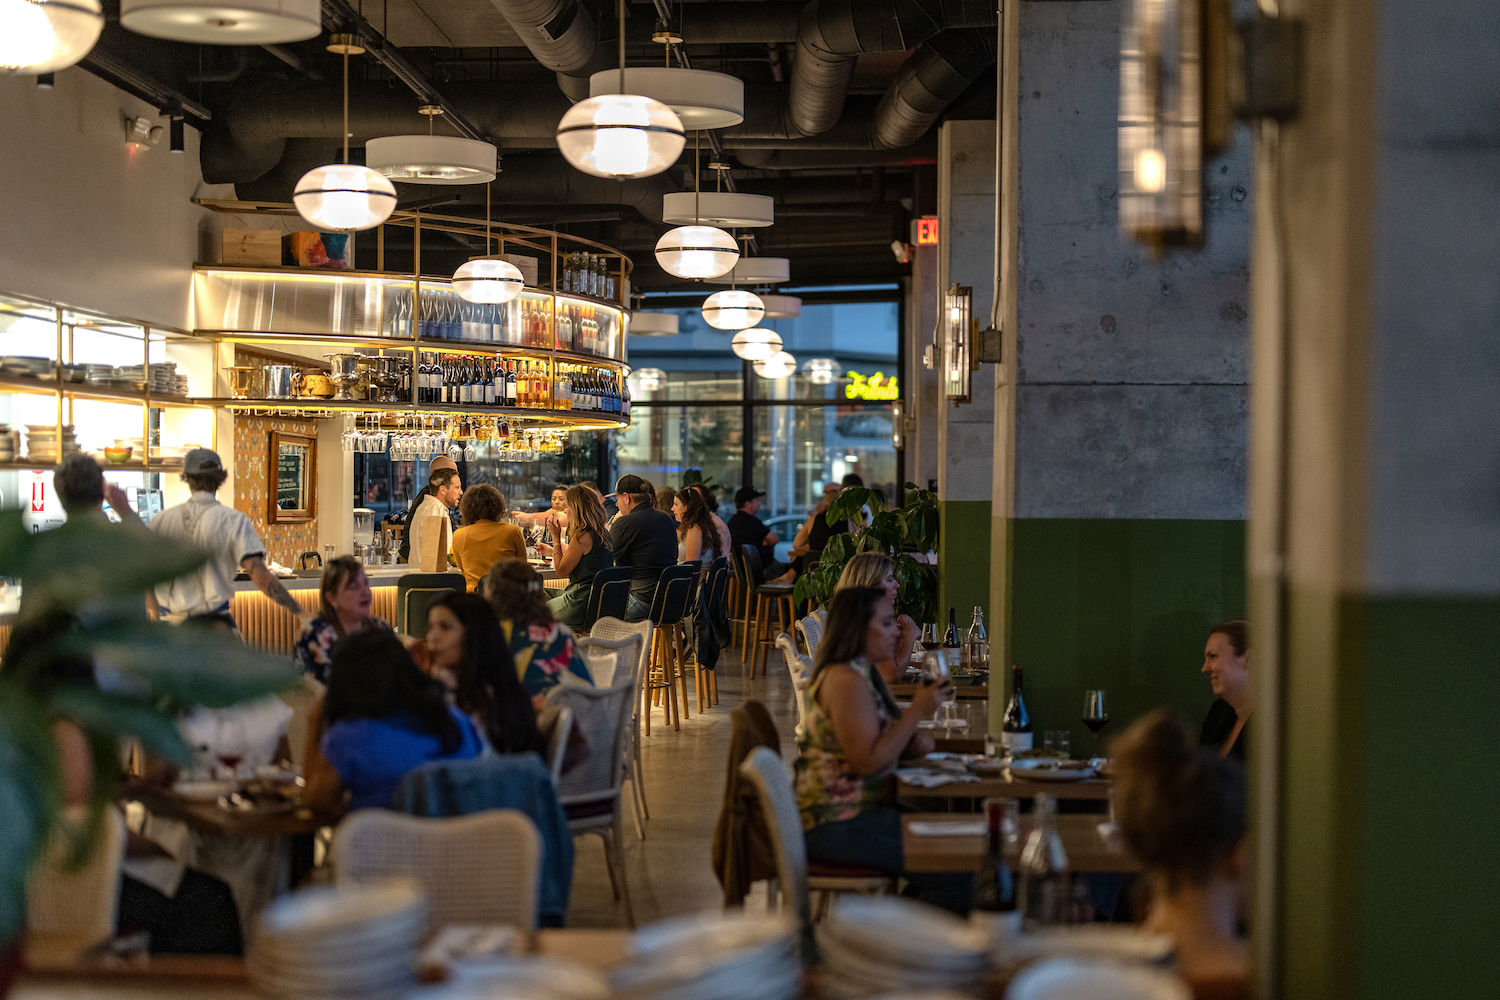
(707, 687)
(609, 594)
(668, 607)
(768, 597)
(741, 601)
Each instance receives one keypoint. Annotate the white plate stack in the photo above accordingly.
(331, 942)
(1095, 979)
(163, 378)
(877, 945)
(99, 374)
(712, 956)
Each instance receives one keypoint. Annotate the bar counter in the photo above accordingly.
(270, 627)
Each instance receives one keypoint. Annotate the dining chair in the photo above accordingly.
(821, 614)
(714, 586)
(800, 878)
(769, 597)
(591, 792)
(618, 628)
(609, 660)
(416, 592)
(302, 699)
(668, 608)
(609, 593)
(742, 600)
(82, 901)
(558, 724)
(800, 668)
(483, 868)
(811, 630)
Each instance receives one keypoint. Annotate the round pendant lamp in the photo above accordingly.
(725, 209)
(488, 280)
(344, 197)
(782, 306)
(700, 98)
(227, 22)
(778, 366)
(620, 136)
(650, 379)
(819, 370)
(44, 36)
(653, 324)
(432, 159)
(758, 271)
(735, 309)
(696, 252)
(756, 344)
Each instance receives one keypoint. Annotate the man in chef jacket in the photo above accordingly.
(429, 529)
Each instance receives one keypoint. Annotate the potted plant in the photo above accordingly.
(902, 533)
(83, 587)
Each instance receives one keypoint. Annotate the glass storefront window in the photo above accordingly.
(800, 448)
(673, 445)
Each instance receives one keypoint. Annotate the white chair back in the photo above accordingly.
(821, 614)
(811, 630)
(800, 668)
(614, 628)
(478, 869)
(301, 700)
(778, 803)
(602, 715)
(557, 724)
(79, 902)
(610, 660)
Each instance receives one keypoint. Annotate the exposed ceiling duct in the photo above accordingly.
(934, 77)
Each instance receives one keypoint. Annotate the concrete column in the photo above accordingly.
(922, 389)
(1375, 541)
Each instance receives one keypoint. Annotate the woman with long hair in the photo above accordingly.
(381, 718)
(853, 737)
(697, 539)
(484, 536)
(587, 552)
(464, 642)
(878, 570)
(1226, 661)
(1181, 809)
(711, 504)
(344, 597)
(542, 646)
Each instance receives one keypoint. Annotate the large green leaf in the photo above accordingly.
(188, 666)
(118, 715)
(30, 795)
(88, 559)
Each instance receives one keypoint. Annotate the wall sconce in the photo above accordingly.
(958, 338)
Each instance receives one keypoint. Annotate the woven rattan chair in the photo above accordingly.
(479, 869)
(800, 669)
(590, 793)
(811, 630)
(78, 902)
(616, 628)
(610, 660)
(557, 727)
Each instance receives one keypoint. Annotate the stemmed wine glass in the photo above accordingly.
(1095, 714)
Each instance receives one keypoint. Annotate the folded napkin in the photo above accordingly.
(959, 828)
(923, 778)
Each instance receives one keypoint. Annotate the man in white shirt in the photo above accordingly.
(231, 541)
(429, 529)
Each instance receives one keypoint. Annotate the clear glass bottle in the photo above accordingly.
(977, 644)
(1045, 895)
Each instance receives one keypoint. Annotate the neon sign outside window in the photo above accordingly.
(874, 387)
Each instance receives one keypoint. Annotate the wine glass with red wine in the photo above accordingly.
(1095, 714)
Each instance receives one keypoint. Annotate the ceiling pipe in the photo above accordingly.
(934, 77)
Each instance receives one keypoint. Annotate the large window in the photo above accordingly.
(673, 445)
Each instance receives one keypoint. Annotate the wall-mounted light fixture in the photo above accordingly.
(898, 425)
(140, 133)
(958, 339)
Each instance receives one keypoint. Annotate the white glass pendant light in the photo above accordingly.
(819, 370)
(726, 209)
(224, 22)
(756, 344)
(621, 135)
(697, 252)
(488, 280)
(650, 379)
(781, 306)
(44, 36)
(777, 366)
(344, 197)
(733, 309)
(653, 324)
(700, 97)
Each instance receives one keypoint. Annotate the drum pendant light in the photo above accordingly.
(344, 197)
(777, 366)
(44, 36)
(621, 135)
(432, 159)
(697, 251)
(488, 280)
(756, 344)
(733, 309)
(224, 22)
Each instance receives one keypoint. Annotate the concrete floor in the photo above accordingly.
(671, 871)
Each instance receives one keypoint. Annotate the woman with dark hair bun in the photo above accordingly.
(1226, 661)
(464, 642)
(1181, 810)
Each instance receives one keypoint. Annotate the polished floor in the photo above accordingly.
(671, 872)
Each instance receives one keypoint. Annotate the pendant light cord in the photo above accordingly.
(346, 107)
(622, 46)
(697, 148)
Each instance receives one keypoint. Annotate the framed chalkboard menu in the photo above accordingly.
(293, 470)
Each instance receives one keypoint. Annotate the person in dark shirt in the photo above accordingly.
(644, 538)
(815, 532)
(745, 528)
(1226, 661)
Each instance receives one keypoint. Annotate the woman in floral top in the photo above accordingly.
(543, 647)
(344, 594)
(855, 734)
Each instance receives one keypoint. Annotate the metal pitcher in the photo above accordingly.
(282, 381)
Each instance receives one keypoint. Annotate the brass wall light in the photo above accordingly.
(958, 341)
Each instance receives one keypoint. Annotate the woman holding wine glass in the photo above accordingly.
(1226, 661)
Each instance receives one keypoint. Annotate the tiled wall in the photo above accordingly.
(252, 446)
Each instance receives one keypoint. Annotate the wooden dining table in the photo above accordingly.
(210, 817)
(1009, 786)
(1087, 850)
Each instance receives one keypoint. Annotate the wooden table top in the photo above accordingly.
(209, 818)
(904, 692)
(1087, 851)
(1011, 788)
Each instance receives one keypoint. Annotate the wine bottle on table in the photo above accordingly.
(951, 648)
(994, 891)
(1015, 727)
(1045, 896)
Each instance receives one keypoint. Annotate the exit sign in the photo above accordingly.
(925, 231)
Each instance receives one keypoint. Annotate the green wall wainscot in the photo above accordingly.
(964, 560)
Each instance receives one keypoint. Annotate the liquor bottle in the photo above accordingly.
(567, 388)
(1015, 727)
(994, 891)
(951, 648)
(566, 284)
(625, 402)
(977, 644)
(1045, 896)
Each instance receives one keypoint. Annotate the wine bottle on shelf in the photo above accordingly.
(1015, 727)
(489, 383)
(510, 383)
(951, 648)
(1045, 897)
(994, 890)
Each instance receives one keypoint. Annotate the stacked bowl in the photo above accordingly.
(878, 945)
(712, 956)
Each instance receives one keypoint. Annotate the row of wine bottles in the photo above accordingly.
(453, 380)
(588, 274)
(522, 322)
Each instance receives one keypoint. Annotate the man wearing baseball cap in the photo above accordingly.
(231, 541)
(746, 528)
(644, 538)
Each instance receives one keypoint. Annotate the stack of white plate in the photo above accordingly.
(163, 377)
(1078, 979)
(41, 442)
(339, 942)
(712, 956)
(874, 945)
(1114, 942)
(179, 385)
(96, 374)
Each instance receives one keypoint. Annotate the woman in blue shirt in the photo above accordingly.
(381, 718)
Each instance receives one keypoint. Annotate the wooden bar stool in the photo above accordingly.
(668, 608)
(740, 603)
(768, 597)
(705, 681)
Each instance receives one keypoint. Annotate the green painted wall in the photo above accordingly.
(963, 559)
(1123, 605)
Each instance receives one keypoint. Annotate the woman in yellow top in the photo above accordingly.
(483, 539)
